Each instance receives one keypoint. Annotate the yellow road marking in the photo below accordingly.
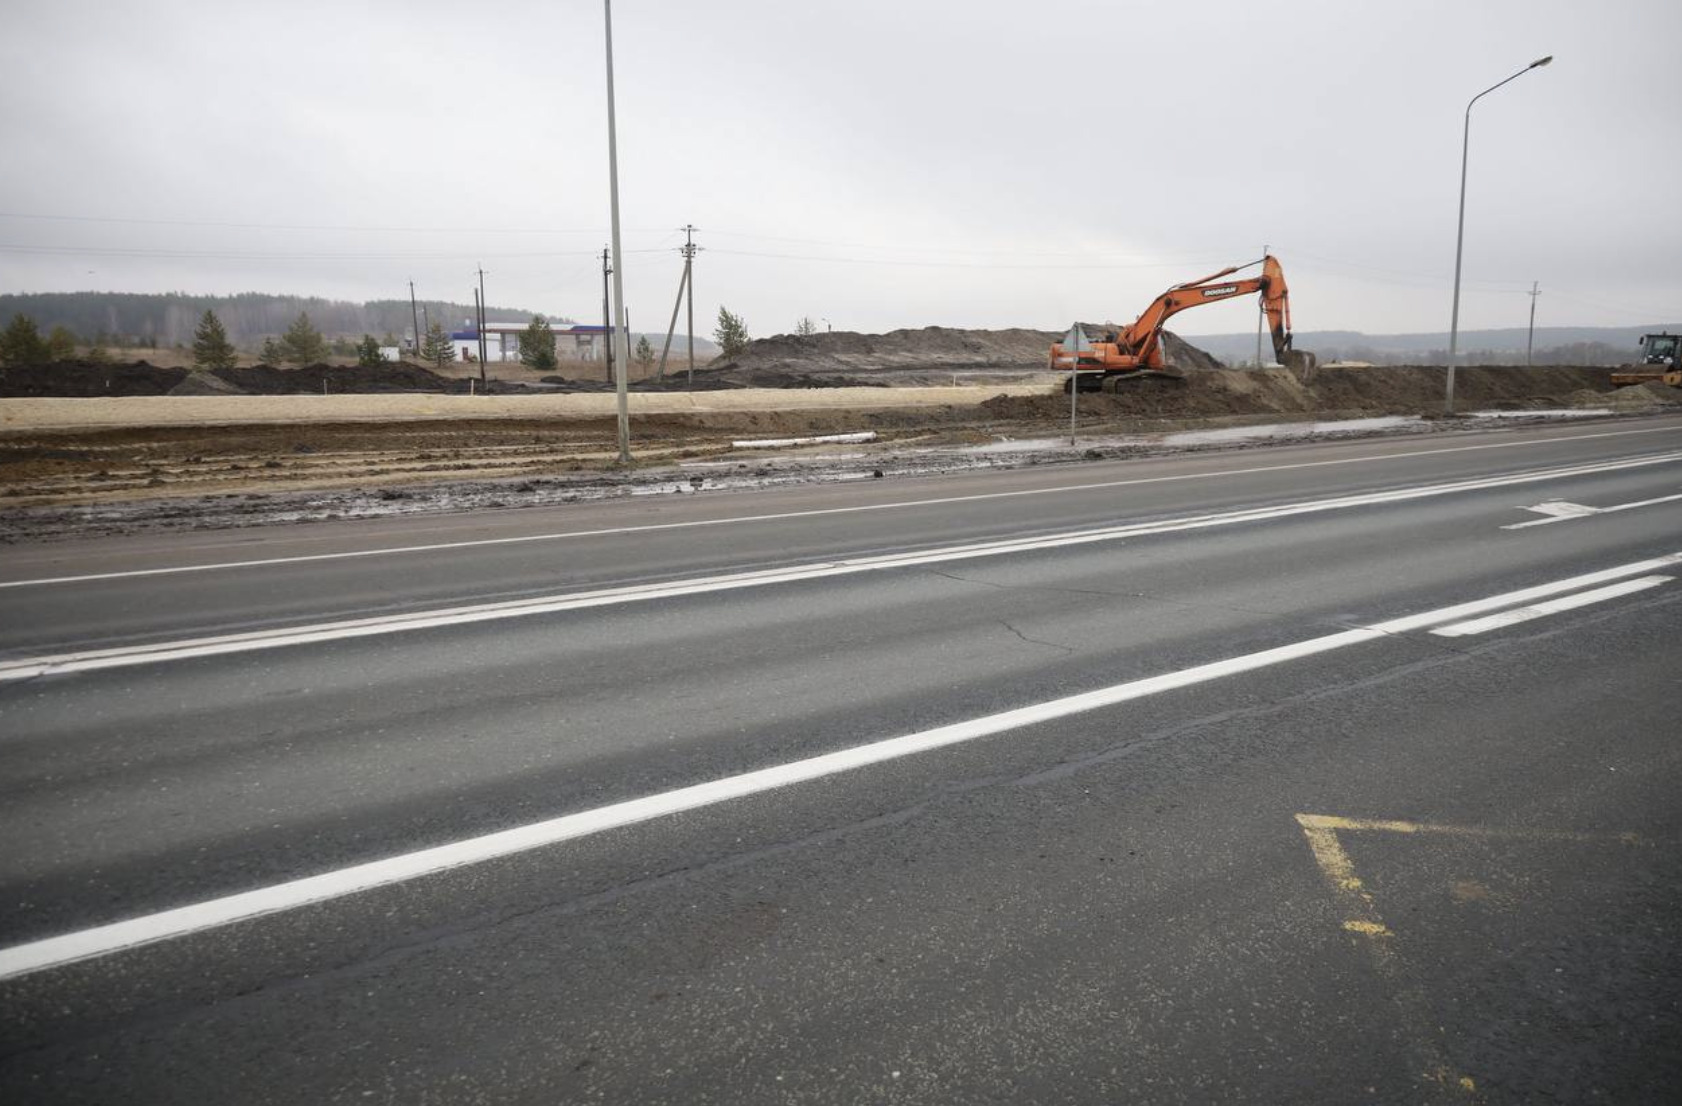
(1361, 916)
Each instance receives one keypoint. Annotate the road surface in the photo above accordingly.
(1343, 772)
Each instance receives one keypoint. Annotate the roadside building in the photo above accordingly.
(502, 341)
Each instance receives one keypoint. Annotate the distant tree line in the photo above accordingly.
(173, 318)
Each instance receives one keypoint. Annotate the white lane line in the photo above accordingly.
(1553, 606)
(316, 633)
(183, 921)
(1558, 510)
(815, 513)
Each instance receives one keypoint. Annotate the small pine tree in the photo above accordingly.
(731, 333)
(20, 343)
(437, 347)
(645, 354)
(537, 345)
(368, 353)
(302, 344)
(271, 353)
(805, 327)
(211, 348)
(61, 344)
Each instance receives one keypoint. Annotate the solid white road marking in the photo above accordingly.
(125, 656)
(652, 527)
(1558, 510)
(1553, 606)
(213, 913)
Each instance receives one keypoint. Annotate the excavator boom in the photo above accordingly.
(1137, 350)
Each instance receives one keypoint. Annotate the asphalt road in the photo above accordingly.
(1291, 774)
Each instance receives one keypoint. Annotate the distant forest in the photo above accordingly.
(168, 319)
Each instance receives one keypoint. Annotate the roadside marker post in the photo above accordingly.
(1074, 344)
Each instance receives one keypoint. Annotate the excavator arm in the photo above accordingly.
(1138, 348)
(1144, 338)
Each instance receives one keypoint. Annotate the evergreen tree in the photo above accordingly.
(211, 348)
(61, 344)
(731, 333)
(368, 353)
(302, 344)
(271, 353)
(437, 347)
(537, 345)
(805, 327)
(20, 343)
(645, 354)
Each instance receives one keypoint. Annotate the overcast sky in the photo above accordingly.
(878, 163)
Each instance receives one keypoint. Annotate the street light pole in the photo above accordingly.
(1530, 338)
(617, 336)
(1460, 232)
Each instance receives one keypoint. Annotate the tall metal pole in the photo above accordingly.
(1261, 313)
(621, 377)
(1460, 230)
(414, 315)
(1530, 339)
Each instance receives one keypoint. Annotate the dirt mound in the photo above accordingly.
(204, 384)
(396, 376)
(1638, 397)
(86, 379)
(1405, 389)
(927, 356)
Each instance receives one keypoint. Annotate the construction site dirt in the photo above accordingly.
(306, 460)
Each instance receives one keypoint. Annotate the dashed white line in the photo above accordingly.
(316, 633)
(1553, 606)
(210, 914)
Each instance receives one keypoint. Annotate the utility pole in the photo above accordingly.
(1530, 340)
(479, 328)
(414, 316)
(689, 279)
(1261, 312)
(607, 315)
(683, 285)
(622, 374)
(480, 325)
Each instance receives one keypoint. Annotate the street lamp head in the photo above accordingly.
(1539, 62)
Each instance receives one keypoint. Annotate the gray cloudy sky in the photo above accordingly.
(880, 163)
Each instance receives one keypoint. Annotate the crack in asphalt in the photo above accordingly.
(1033, 640)
(1183, 604)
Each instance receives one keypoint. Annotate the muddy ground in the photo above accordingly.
(55, 482)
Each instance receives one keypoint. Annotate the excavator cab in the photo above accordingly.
(1662, 349)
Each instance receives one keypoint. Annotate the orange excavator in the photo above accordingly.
(1107, 358)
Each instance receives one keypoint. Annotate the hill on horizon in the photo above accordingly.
(1577, 345)
(169, 318)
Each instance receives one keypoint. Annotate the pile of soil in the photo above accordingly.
(1406, 389)
(87, 379)
(931, 355)
(395, 376)
(205, 384)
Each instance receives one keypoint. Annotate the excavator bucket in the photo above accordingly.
(1301, 363)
